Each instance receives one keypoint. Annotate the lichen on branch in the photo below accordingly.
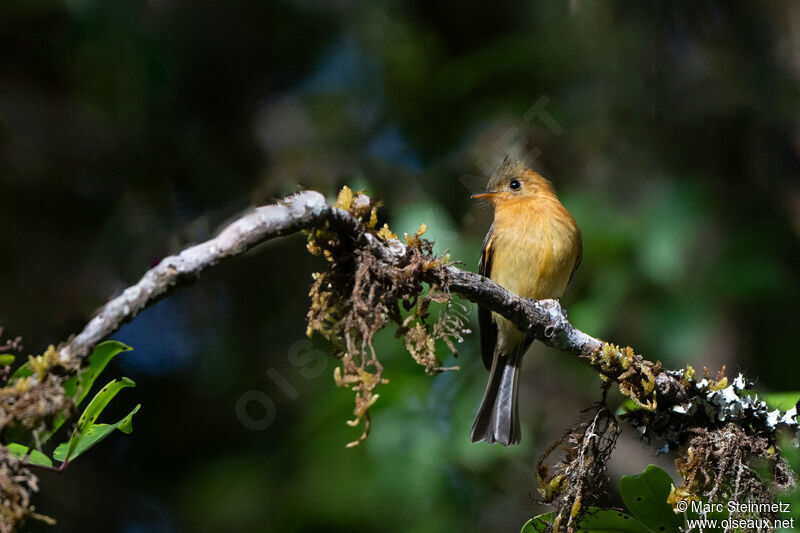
(360, 294)
(574, 481)
(635, 375)
(730, 464)
(29, 403)
(16, 485)
(373, 281)
(725, 440)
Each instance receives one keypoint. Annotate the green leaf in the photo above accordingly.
(6, 359)
(781, 400)
(627, 406)
(608, 520)
(537, 523)
(35, 458)
(596, 521)
(98, 359)
(79, 385)
(22, 371)
(90, 414)
(645, 496)
(93, 435)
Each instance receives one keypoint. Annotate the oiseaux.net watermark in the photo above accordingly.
(745, 516)
(256, 409)
(513, 142)
(307, 362)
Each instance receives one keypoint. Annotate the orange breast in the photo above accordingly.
(534, 249)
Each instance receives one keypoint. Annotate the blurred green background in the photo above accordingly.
(129, 130)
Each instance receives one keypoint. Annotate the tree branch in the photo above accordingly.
(671, 399)
(290, 215)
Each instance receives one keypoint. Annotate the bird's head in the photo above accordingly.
(512, 181)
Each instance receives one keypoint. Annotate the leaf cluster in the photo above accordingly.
(645, 496)
(38, 398)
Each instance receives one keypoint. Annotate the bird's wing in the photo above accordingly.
(488, 328)
(578, 259)
(485, 264)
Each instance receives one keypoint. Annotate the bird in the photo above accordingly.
(532, 249)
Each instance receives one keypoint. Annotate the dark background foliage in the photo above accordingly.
(129, 130)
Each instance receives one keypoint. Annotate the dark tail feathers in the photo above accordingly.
(498, 416)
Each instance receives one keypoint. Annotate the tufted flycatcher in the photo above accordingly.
(532, 249)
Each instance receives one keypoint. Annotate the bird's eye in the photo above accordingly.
(515, 185)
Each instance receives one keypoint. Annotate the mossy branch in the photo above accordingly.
(374, 279)
(673, 394)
